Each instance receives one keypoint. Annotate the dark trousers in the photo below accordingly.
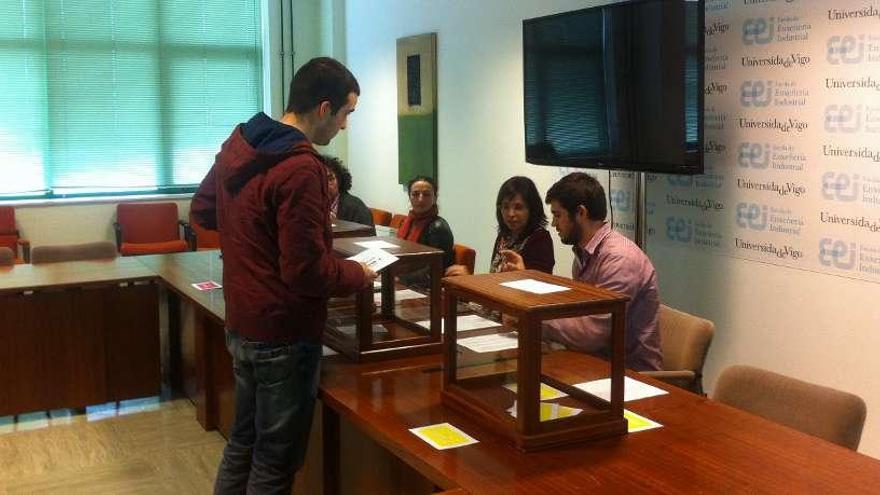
(275, 389)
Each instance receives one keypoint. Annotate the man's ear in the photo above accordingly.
(325, 109)
(581, 213)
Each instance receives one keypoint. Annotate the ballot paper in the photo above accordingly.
(547, 392)
(534, 286)
(632, 389)
(443, 436)
(207, 285)
(638, 423)
(377, 244)
(550, 411)
(374, 258)
(401, 295)
(491, 343)
(466, 322)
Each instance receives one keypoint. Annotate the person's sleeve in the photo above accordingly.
(538, 252)
(307, 265)
(592, 333)
(204, 202)
(440, 237)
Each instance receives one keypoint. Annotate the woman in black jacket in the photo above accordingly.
(343, 205)
(424, 224)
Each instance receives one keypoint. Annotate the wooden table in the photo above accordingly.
(77, 333)
(344, 228)
(703, 447)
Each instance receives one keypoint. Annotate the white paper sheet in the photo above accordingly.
(491, 343)
(534, 286)
(632, 389)
(466, 322)
(374, 258)
(401, 295)
(377, 244)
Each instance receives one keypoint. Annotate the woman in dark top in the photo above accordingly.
(343, 205)
(521, 228)
(425, 226)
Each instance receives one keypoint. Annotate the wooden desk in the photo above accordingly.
(344, 228)
(194, 344)
(77, 333)
(703, 447)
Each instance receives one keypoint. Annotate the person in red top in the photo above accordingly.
(267, 195)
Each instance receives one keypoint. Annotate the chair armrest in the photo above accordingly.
(189, 234)
(25, 246)
(678, 378)
(117, 229)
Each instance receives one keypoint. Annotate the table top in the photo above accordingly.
(703, 447)
(344, 228)
(348, 246)
(28, 277)
(180, 270)
(576, 296)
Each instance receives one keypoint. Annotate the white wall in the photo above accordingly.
(818, 327)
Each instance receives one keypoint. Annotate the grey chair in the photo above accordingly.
(74, 252)
(813, 409)
(685, 341)
(7, 256)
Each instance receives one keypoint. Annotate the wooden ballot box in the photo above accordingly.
(398, 318)
(512, 381)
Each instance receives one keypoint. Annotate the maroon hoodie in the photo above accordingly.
(272, 211)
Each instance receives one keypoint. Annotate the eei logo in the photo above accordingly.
(751, 216)
(846, 49)
(846, 119)
(841, 187)
(679, 229)
(837, 253)
(758, 31)
(756, 93)
(753, 155)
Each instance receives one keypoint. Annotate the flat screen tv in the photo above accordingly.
(618, 86)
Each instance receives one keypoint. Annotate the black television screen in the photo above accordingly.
(616, 87)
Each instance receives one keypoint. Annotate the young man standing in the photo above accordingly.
(605, 259)
(267, 195)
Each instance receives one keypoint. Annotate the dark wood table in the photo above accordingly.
(77, 333)
(344, 228)
(703, 447)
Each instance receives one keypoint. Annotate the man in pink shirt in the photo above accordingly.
(603, 258)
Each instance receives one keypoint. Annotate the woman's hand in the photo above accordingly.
(456, 270)
(512, 261)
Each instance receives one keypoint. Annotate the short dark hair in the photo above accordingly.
(576, 189)
(421, 178)
(318, 80)
(525, 188)
(343, 176)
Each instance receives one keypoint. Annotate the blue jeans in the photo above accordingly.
(275, 389)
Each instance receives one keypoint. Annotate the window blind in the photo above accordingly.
(122, 96)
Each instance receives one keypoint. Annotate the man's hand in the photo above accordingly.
(369, 275)
(512, 261)
(456, 270)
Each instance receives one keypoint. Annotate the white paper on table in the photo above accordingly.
(491, 343)
(374, 258)
(377, 284)
(466, 322)
(632, 389)
(377, 244)
(401, 295)
(326, 351)
(534, 286)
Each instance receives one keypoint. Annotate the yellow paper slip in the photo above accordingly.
(550, 411)
(443, 436)
(547, 392)
(639, 423)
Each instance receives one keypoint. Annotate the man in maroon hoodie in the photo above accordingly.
(267, 195)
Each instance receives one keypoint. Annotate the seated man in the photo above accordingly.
(606, 259)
